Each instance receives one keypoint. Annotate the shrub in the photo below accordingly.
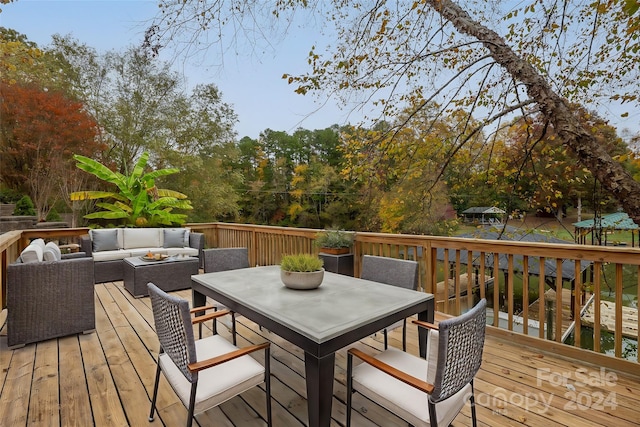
(53, 216)
(24, 207)
(334, 239)
(9, 196)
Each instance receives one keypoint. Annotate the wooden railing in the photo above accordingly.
(523, 308)
(583, 273)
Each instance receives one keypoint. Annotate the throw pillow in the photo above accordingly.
(51, 252)
(32, 253)
(39, 242)
(174, 237)
(104, 240)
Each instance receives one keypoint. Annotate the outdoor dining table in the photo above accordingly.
(321, 321)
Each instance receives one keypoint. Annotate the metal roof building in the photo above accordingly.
(599, 228)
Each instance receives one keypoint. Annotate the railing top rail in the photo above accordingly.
(618, 254)
(9, 238)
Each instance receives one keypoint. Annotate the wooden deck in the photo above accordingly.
(105, 379)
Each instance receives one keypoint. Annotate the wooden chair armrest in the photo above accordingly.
(203, 308)
(394, 372)
(208, 363)
(205, 317)
(426, 325)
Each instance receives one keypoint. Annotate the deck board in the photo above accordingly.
(106, 378)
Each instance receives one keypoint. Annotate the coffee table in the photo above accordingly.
(170, 274)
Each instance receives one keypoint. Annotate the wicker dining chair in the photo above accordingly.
(396, 380)
(207, 372)
(224, 259)
(395, 272)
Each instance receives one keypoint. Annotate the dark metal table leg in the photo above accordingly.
(319, 373)
(427, 316)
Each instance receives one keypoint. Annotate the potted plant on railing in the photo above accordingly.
(301, 271)
(334, 242)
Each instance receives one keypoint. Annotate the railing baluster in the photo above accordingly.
(559, 318)
(542, 305)
(525, 295)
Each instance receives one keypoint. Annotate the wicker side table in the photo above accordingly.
(171, 274)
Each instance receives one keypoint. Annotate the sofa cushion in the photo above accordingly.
(51, 252)
(111, 255)
(104, 240)
(182, 251)
(141, 238)
(32, 253)
(174, 237)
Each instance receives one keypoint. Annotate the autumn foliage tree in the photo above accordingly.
(40, 131)
(494, 60)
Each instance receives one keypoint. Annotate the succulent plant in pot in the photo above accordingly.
(334, 241)
(301, 271)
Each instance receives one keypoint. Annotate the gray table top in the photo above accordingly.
(339, 305)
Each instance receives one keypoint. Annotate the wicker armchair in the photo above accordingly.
(395, 272)
(207, 372)
(396, 380)
(224, 259)
(49, 299)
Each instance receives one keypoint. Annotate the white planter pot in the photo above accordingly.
(302, 280)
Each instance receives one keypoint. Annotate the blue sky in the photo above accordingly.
(252, 85)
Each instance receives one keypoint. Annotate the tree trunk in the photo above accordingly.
(579, 208)
(554, 108)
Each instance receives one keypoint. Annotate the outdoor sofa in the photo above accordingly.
(110, 246)
(49, 295)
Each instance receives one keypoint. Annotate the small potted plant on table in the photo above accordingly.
(301, 271)
(334, 242)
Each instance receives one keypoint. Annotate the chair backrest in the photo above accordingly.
(223, 259)
(390, 271)
(460, 345)
(173, 326)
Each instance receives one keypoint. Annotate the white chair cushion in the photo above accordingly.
(51, 252)
(32, 253)
(141, 238)
(403, 400)
(219, 383)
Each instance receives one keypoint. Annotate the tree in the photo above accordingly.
(545, 175)
(138, 201)
(406, 54)
(39, 133)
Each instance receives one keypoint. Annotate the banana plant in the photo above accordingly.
(138, 201)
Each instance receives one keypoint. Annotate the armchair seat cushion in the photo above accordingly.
(219, 383)
(403, 400)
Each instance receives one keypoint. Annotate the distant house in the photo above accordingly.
(484, 215)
